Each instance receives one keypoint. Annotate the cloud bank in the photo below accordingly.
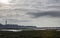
(41, 13)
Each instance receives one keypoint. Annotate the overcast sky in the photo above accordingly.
(41, 13)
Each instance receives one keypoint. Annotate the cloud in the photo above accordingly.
(54, 1)
(16, 20)
(23, 12)
(48, 13)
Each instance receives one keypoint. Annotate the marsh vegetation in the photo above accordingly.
(30, 34)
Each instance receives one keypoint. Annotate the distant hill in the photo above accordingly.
(13, 26)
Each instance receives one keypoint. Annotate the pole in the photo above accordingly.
(6, 22)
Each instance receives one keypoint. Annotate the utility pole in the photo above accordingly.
(6, 22)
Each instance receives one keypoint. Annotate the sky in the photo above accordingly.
(4, 1)
(41, 13)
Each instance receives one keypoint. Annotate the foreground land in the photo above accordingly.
(31, 34)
